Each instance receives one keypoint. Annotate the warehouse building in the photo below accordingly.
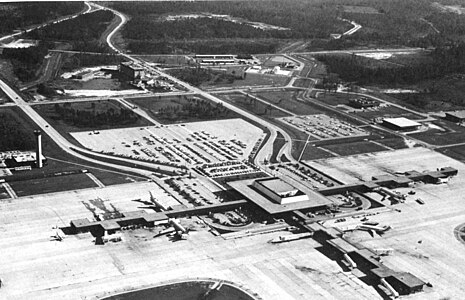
(401, 124)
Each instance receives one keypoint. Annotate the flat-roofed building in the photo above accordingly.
(276, 197)
(457, 116)
(279, 191)
(131, 70)
(402, 124)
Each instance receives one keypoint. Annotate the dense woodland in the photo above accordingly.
(22, 14)
(443, 60)
(26, 61)
(83, 32)
(149, 32)
(304, 18)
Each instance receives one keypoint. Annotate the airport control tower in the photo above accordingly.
(38, 135)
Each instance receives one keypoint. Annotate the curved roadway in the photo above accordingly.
(265, 151)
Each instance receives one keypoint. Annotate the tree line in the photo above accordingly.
(204, 46)
(12, 135)
(26, 61)
(443, 60)
(199, 108)
(92, 117)
(82, 29)
(22, 14)
(307, 19)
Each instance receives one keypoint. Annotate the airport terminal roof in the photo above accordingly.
(401, 122)
(277, 186)
(316, 200)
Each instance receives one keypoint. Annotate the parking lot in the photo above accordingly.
(193, 191)
(224, 169)
(305, 175)
(323, 127)
(180, 144)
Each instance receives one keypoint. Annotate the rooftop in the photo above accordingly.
(277, 186)
(458, 114)
(401, 122)
(316, 200)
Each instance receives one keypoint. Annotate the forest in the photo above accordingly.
(149, 32)
(26, 61)
(83, 30)
(19, 15)
(304, 18)
(443, 60)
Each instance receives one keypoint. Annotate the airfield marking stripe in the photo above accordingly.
(95, 179)
(10, 190)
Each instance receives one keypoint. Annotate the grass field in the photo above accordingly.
(277, 145)
(51, 184)
(3, 193)
(183, 109)
(456, 152)
(165, 59)
(109, 178)
(60, 161)
(255, 80)
(183, 291)
(354, 148)
(303, 83)
(453, 134)
(395, 143)
(256, 107)
(334, 99)
(97, 116)
(312, 153)
(14, 135)
(288, 101)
